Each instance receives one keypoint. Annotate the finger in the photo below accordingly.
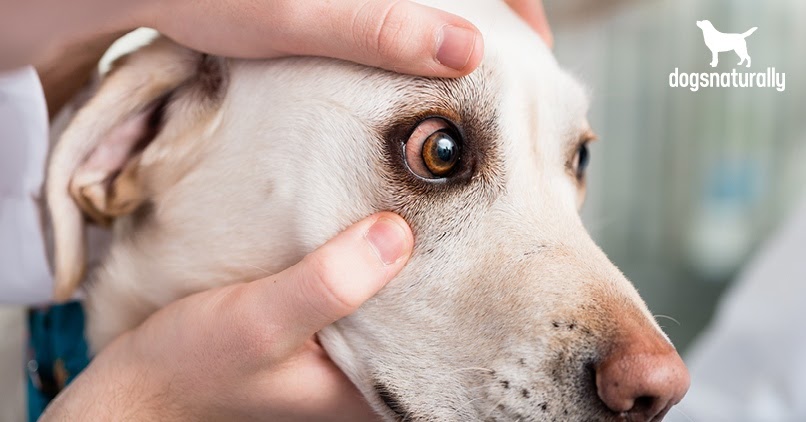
(333, 281)
(310, 387)
(398, 35)
(534, 14)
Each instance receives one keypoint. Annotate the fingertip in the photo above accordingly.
(425, 41)
(356, 264)
(459, 49)
(548, 37)
(534, 14)
(337, 278)
(390, 238)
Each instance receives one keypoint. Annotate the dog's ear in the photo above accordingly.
(144, 115)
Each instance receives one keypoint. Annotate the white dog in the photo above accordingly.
(718, 42)
(212, 170)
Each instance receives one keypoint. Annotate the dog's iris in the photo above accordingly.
(440, 153)
(433, 150)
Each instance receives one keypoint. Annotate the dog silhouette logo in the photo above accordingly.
(718, 42)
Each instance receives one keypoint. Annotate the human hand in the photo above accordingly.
(398, 35)
(246, 351)
(534, 14)
(402, 36)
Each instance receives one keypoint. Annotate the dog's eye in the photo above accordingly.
(581, 160)
(433, 149)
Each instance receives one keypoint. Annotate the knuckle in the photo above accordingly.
(380, 30)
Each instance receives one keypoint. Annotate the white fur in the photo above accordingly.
(503, 269)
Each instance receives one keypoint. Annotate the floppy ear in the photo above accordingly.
(139, 118)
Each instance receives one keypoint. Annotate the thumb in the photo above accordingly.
(334, 280)
(398, 35)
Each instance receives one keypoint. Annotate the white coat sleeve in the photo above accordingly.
(750, 364)
(24, 272)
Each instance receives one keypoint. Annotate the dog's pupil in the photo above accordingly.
(445, 148)
(584, 158)
(440, 153)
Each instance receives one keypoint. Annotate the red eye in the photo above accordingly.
(433, 149)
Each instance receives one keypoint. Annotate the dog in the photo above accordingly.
(212, 171)
(718, 42)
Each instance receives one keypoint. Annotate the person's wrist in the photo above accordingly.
(130, 386)
(150, 390)
(113, 385)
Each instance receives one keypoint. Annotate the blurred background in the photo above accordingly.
(684, 186)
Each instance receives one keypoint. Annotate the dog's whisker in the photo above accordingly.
(492, 409)
(683, 413)
(467, 403)
(667, 317)
(600, 223)
(471, 368)
(476, 387)
(265, 271)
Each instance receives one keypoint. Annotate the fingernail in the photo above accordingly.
(455, 46)
(387, 239)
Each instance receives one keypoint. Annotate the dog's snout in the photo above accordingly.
(642, 379)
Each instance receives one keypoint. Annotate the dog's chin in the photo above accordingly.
(390, 414)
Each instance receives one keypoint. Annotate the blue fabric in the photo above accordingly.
(58, 352)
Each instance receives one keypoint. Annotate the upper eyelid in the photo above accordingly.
(585, 137)
(589, 136)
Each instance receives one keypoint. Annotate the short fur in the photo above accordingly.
(240, 168)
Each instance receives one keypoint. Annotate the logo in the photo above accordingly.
(719, 42)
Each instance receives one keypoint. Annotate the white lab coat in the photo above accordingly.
(750, 364)
(24, 272)
(25, 276)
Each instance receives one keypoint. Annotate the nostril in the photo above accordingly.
(642, 384)
(643, 404)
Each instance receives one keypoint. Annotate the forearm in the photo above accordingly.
(31, 30)
(68, 68)
(113, 387)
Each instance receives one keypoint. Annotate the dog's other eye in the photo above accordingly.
(433, 149)
(581, 160)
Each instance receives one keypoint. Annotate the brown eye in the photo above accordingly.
(433, 149)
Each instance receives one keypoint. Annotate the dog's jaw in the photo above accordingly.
(506, 302)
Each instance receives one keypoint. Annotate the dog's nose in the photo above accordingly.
(642, 379)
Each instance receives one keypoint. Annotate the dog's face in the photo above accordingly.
(705, 24)
(219, 171)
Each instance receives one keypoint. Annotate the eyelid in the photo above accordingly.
(426, 128)
(588, 136)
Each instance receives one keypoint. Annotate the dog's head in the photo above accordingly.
(705, 24)
(214, 171)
